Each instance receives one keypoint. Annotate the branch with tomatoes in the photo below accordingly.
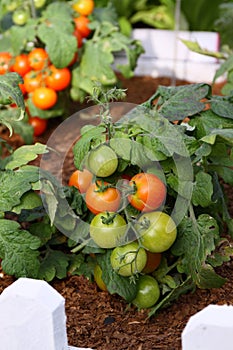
(61, 49)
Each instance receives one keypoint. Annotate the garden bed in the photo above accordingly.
(102, 321)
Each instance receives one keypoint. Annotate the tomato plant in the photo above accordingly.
(157, 231)
(102, 161)
(81, 24)
(58, 79)
(39, 125)
(148, 292)
(102, 196)
(149, 192)
(38, 59)
(83, 7)
(129, 259)
(5, 62)
(44, 97)
(81, 180)
(21, 64)
(107, 229)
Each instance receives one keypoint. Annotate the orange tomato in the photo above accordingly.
(44, 97)
(32, 80)
(83, 7)
(58, 78)
(21, 64)
(38, 58)
(5, 62)
(81, 180)
(81, 24)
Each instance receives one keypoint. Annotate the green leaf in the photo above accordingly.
(25, 154)
(195, 47)
(177, 103)
(222, 106)
(194, 243)
(13, 184)
(202, 190)
(55, 264)
(208, 278)
(18, 250)
(56, 33)
(19, 36)
(224, 134)
(82, 146)
(10, 91)
(114, 282)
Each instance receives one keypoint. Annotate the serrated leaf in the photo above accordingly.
(13, 184)
(208, 278)
(55, 264)
(56, 33)
(195, 242)
(25, 154)
(21, 35)
(114, 282)
(18, 250)
(177, 103)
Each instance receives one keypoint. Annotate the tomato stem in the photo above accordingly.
(108, 219)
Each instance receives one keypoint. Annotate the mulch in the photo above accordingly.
(102, 321)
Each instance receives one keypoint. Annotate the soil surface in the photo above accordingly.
(101, 321)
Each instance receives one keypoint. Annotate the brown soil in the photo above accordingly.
(101, 321)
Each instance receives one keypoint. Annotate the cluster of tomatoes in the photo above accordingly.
(42, 81)
(153, 230)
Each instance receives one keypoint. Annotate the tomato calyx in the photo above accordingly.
(108, 218)
(102, 186)
(144, 224)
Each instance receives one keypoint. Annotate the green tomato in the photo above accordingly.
(12, 6)
(39, 3)
(29, 200)
(102, 161)
(129, 259)
(148, 292)
(157, 231)
(20, 17)
(107, 229)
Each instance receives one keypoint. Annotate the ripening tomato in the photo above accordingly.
(153, 261)
(38, 58)
(101, 196)
(5, 62)
(129, 259)
(148, 292)
(81, 24)
(107, 229)
(39, 125)
(32, 80)
(83, 7)
(98, 278)
(58, 78)
(21, 64)
(22, 88)
(157, 231)
(149, 192)
(44, 97)
(81, 180)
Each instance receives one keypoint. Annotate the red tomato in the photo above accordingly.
(22, 88)
(149, 192)
(32, 80)
(58, 78)
(38, 58)
(100, 197)
(83, 7)
(39, 125)
(44, 97)
(81, 24)
(81, 180)
(5, 62)
(21, 64)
